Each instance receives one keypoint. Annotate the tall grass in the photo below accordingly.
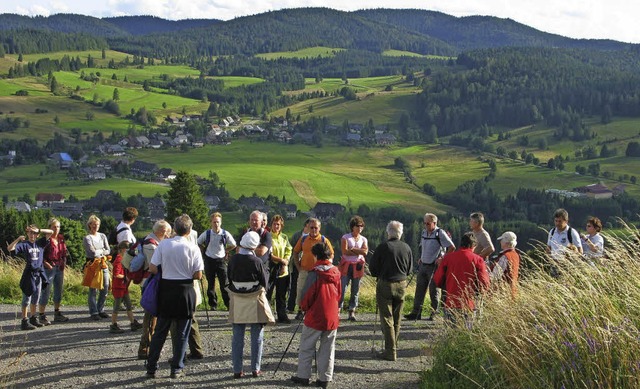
(579, 330)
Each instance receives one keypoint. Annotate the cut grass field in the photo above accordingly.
(402, 53)
(309, 52)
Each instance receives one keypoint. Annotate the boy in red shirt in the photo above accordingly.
(120, 290)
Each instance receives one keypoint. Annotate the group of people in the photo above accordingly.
(266, 261)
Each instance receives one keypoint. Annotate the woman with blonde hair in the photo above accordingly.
(96, 245)
(55, 259)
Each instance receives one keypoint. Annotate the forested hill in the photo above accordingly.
(418, 31)
(144, 25)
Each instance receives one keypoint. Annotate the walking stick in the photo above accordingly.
(206, 309)
(288, 345)
(373, 339)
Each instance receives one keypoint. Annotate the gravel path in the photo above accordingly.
(82, 353)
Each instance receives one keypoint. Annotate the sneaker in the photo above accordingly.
(256, 373)
(35, 322)
(322, 384)
(413, 316)
(95, 317)
(103, 315)
(42, 318)
(25, 325)
(238, 375)
(59, 317)
(300, 381)
(135, 325)
(115, 329)
(177, 374)
(299, 315)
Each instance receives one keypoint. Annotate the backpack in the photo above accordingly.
(134, 260)
(305, 237)
(223, 238)
(113, 235)
(569, 234)
(437, 234)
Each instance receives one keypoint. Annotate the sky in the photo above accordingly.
(590, 19)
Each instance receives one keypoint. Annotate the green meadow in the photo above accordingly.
(402, 53)
(117, 56)
(309, 52)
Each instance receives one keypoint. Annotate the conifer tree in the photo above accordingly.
(185, 196)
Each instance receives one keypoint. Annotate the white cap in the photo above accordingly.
(250, 240)
(509, 237)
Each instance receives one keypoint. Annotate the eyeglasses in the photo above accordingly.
(360, 225)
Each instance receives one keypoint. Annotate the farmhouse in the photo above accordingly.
(596, 191)
(290, 210)
(166, 174)
(63, 160)
(143, 168)
(213, 202)
(93, 173)
(19, 206)
(326, 211)
(45, 200)
(68, 210)
(385, 139)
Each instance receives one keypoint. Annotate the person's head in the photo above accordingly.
(277, 223)
(250, 240)
(594, 225)
(32, 232)
(54, 224)
(255, 220)
(93, 224)
(314, 227)
(430, 221)
(182, 225)
(216, 221)
(476, 220)
(468, 241)
(561, 219)
(162, 229)
(123, 246)
(356, 224)
(129, 215)
(321, 251)
(264, 219)
(508, 240)
(394, 229)
(305, 228)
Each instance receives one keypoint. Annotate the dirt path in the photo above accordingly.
(82, 353)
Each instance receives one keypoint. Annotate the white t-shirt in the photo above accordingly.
(215, 248)
(179, 258)
(126, 234)
(559, 241)
(598, 241)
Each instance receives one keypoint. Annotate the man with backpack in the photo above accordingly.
(306, 262)
(123, 230)
(562, 237)
(216, 243)
(435, 243)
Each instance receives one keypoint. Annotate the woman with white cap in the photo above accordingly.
(508, 263)
(247, 283)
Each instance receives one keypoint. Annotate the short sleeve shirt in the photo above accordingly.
(484, 241)
(179, 258)
(431, 249)
(216, 249)
(559, 241)
(31, 253)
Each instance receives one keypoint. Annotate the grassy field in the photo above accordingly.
(309, 52)
(117, 56)
(402, 53)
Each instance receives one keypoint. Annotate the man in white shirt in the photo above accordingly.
(562, 237)
(181, 263)
(123, 230)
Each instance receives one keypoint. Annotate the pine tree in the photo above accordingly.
(185, 196)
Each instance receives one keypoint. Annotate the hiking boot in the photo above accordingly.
(193, 355)
(300, 381)
(135, 325)
(115, 329)
(352, 316)
(322, 384)
(413, 316)
(150, 374)
(299, 315)
(103, 315)
(35, 322)
(25, 325)
(59, 317)
(177, 374)
(42, 318)
(238, 375)
(431, 317)
(95, 317)
(284, 320)
(385, 356)
(256, 373)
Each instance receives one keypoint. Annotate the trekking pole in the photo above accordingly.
(373, 339)
(288, 345)
(204, 301)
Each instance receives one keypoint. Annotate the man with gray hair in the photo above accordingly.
(391, 263)
(181, 263)
(435, 243)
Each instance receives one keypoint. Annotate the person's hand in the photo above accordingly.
(284, 262)
(48, 266)
(438, 261)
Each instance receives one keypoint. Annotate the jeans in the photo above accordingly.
(55, 277)
(216, 268)
(237, 346)
(95, 308)
(178, 340)
(424, 281)
(355, 289)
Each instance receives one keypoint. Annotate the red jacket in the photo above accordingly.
(119, 286)
(462, 273)
(320, 297)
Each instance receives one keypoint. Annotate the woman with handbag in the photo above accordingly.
(248, 277)
(354, 247)
(96, 277)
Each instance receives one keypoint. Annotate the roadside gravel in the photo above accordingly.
(83, 354)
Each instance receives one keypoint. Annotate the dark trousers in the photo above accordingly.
(293, 289)
(194, 341)
(281, 285)
(179, 342)
(216, 268)
(424, 281)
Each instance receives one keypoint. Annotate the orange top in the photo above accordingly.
(308, 260)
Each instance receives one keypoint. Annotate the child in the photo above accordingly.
(320, 298)
(33, 276)
(120, 291)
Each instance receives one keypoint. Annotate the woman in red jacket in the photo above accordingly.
(320, 298)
